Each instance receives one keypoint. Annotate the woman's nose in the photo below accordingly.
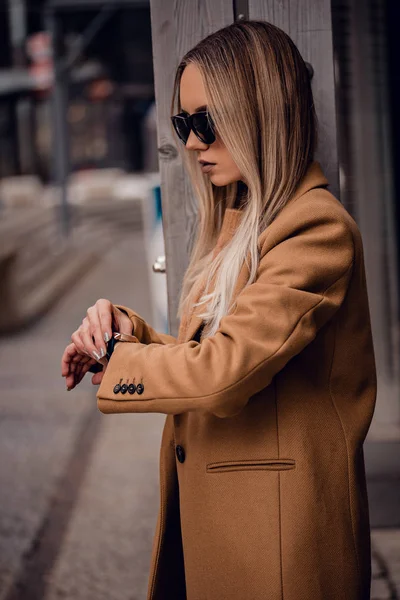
(193, 142)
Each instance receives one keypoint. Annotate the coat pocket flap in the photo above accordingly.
(269, 464)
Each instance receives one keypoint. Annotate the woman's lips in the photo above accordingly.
(207, 167)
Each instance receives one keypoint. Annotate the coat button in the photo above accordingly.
(124, 388)
(116, 388)
(180, 454)
(131, 388)
(140, 388)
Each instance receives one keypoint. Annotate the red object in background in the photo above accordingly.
(41, 69)
(43, 75)
(38, 46)
(100, 89)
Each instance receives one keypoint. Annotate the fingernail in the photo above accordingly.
(102, 352)
(97, 356)
(106, 337)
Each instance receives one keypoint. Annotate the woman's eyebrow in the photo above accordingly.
(198, 109)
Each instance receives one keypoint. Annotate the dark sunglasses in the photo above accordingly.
(200, 123)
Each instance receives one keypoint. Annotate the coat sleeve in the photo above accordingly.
(143, 331)
(300, 284)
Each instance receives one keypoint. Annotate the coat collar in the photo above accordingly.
(313, 178)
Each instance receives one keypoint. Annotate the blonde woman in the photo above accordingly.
(269, 388)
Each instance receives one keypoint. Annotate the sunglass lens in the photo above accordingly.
(204, 127)
(181, 128)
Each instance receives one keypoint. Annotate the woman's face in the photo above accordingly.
(192, 97)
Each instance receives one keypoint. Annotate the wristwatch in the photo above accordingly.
(115, 337)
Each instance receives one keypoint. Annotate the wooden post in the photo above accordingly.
(373, 198)
(309, 24)
(176, 27)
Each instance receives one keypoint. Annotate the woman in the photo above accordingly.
(269, 388)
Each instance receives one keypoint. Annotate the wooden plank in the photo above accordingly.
(177, 26)
(309, 24)
(95, 4)
(374, 199)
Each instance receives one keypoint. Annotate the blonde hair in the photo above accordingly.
(260, 99)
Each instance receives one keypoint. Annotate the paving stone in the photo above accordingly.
(377, 570)
(109, 534)
(387, 543)
(380, 590)
(108, 543)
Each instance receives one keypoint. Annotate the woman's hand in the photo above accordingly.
(89, 341)
(101, 319)
(74, 366)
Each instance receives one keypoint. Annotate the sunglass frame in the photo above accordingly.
(189, 123)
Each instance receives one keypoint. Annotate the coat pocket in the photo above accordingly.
(267, 464)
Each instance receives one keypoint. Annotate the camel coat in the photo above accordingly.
(262, 481)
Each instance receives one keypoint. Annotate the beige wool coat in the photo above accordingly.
(262, 481)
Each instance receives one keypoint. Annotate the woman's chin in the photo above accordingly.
(220, 180)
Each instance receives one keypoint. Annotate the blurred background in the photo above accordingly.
(82, 157)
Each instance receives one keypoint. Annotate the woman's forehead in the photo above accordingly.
(192, 94)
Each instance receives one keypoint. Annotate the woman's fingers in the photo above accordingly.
(83, 339)
(78, 365)
(82, 368)
(96, 329)
(122, 321)
(74, 365)
(68, 360)
(101, 323)
(90, 340)
(97, 377)
(105, 311)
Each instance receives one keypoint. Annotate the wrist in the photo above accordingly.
(118, 337)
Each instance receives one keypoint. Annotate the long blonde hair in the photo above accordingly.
(260, 99)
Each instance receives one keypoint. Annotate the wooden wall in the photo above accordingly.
(177, 25)
(368, 187)
(309, 24)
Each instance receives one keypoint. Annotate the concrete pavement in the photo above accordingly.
(385, 584)
(78, 489)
